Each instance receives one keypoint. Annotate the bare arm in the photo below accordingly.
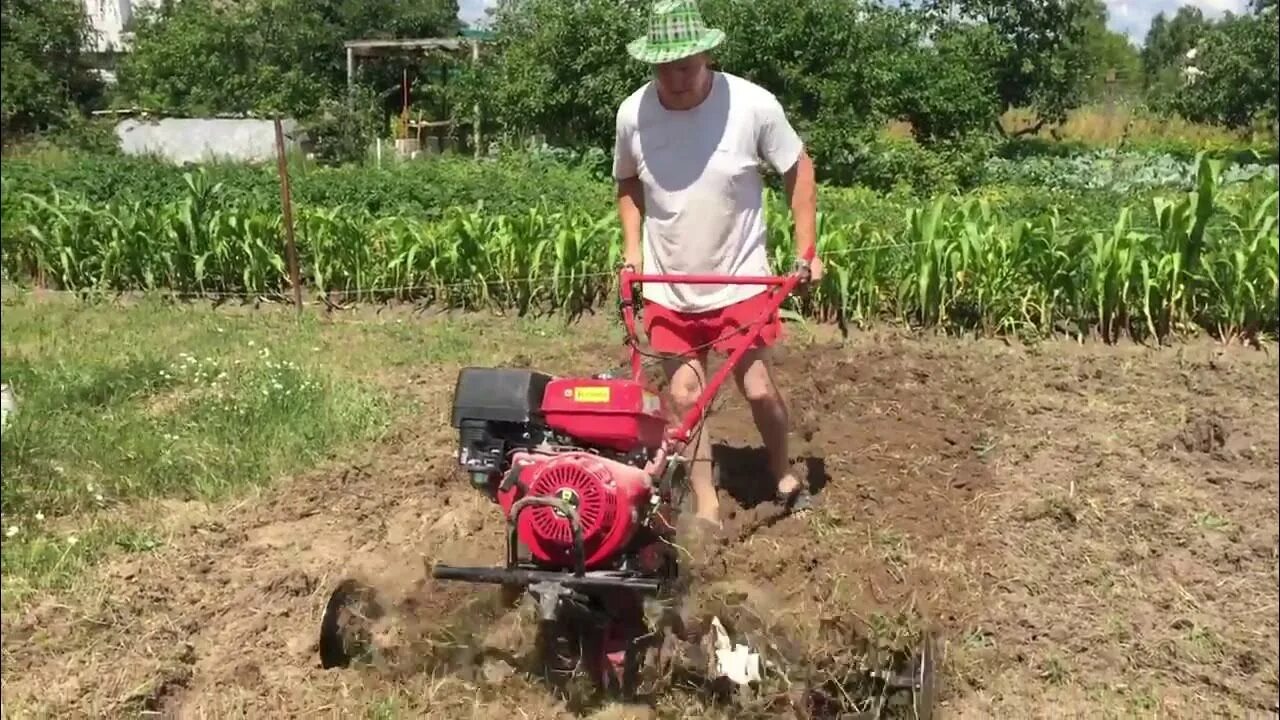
(802, 192)
(630, 213)
(780, 145)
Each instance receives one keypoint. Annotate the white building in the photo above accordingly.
(109, 18)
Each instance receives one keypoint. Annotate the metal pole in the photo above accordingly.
(290, 249)
(351, 77)
(475, 60)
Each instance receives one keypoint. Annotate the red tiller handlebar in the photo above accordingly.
(782, 286)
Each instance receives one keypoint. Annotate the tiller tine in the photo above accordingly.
(919, 678)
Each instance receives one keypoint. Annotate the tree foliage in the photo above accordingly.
(1240, 61)
(1236, 60)
(837, 65)
(1111, 52)
(1165, 48)
(1044, 59)
(558, 68)
(950, 89)
(263, 55)
(46, 74)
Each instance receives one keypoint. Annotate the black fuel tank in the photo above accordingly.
(505, 395)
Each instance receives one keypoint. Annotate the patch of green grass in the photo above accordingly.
(385, 709)
(39, 557)
(1144, 701)
(117, 405)
(1054, 670)
(114, 420)
(977, 639)
(1210, 521)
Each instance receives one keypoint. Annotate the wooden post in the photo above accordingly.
(290, 249)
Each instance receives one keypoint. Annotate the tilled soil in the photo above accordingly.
(1092, 531)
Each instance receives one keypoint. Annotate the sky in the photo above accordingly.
(1131, 17)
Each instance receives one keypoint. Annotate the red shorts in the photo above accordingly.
(722, 330)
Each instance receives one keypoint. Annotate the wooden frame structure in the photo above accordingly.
(357, 49)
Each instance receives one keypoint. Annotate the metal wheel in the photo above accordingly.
(924, 693)
(559, 652)
(344, 629)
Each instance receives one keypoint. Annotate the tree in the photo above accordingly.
(1044, 59)
(45, 71)
(950, 87)
(263, 55)
(837, 66)
(1166, 46)
(558, 68)
(1111, 52)
(1240, 61)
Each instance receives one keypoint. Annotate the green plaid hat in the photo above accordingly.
(676, 31)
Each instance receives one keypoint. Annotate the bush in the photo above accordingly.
(340, 132)
(887, 163)
(46, 77)
(1236, 153)
(511, 183)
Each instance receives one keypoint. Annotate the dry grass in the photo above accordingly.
(1111, 125)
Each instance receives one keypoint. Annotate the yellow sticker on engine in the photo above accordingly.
(591, 394)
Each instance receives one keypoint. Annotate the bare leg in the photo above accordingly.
(687, 380)
(769, 411)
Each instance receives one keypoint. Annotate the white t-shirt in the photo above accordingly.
(703, 193)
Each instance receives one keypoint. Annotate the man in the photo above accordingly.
(690, 199)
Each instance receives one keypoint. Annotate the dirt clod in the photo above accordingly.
(1205, 433)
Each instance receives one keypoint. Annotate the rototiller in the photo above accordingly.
(588, 472)
(589, 475)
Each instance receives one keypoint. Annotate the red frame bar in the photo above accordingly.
(677, 437)
(712, 279)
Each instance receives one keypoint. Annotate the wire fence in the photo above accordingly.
(447, 286)
(478, 282)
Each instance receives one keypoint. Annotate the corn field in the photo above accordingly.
(956, 264)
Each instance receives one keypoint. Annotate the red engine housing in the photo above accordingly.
(609, 497)
(614, 414)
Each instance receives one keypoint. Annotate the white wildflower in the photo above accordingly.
(39, 517)
(13, 530)
(72, 540)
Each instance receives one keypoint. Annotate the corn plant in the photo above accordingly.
(954, 264)
(1240, 278)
